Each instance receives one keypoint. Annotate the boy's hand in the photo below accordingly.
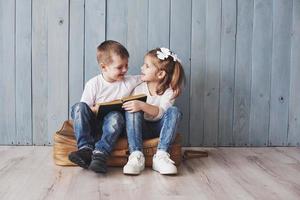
(95, 108)
(133, 106)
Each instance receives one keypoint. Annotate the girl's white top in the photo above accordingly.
(98, 90)
(163, 102)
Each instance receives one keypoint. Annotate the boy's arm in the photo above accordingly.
(88, 96)
(133, 82)
(95, 108)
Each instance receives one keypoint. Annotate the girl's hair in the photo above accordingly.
(174, 77)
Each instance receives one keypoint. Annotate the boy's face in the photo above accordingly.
(116, 69)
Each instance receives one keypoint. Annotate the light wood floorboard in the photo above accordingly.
(28, 172)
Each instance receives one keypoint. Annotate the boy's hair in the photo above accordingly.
(174, 77)
(107, 48)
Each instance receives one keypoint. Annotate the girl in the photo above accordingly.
(163, 76)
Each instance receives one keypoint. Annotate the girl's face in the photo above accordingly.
(149, 71)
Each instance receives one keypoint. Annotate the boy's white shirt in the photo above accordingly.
(163, 102)
(98, 90)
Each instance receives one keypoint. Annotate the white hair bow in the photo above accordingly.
(165, 53)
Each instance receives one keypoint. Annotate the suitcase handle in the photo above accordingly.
(188, 154)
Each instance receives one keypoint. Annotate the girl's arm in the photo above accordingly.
(136, 105)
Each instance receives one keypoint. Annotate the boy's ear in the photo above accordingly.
(102, 66)
(161, 74)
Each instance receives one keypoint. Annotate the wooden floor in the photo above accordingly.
(228, 173)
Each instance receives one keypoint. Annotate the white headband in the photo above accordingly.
(165, 53)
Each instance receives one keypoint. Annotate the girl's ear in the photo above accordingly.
(161, 74)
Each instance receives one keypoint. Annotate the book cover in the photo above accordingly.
(116, 105)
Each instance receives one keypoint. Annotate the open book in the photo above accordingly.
(116, 105)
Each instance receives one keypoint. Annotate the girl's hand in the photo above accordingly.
(133, 106)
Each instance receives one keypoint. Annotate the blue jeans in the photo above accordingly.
(165, 128)
(94, 134)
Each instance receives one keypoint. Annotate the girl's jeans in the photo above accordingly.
(93, 134)
(165, 128)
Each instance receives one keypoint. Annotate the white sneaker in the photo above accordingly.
(135, 164)
(163, 164)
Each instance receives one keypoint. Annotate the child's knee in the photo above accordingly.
(115, 119)
(131, 115)
(174, 112)
(78, 107)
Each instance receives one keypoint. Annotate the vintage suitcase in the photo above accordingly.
(65, 142)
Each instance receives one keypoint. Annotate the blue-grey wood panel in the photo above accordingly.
(137, 33)
(197, 78)
(241, 59)
(23, 73)
(212, 76)
(228, 33)
(40, 72)
(180, 43)
(116, 21)
(58, 62)
(76, 52)
(8, 72)
(243, 68)
(261, 72)
(294, 105)
(95, 15)
(280, 77)
(158, 24)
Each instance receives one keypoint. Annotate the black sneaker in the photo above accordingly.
(82, 157)
(98, 163)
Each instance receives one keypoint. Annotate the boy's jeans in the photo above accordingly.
(165, 128)
(88, 128)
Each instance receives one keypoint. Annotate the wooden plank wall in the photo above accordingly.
(241, 59)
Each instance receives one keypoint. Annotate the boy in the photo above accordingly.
(95, 139)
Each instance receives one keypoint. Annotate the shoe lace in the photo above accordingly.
(134, 158)
(165, 157)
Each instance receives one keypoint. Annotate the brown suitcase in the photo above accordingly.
(65, 142)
